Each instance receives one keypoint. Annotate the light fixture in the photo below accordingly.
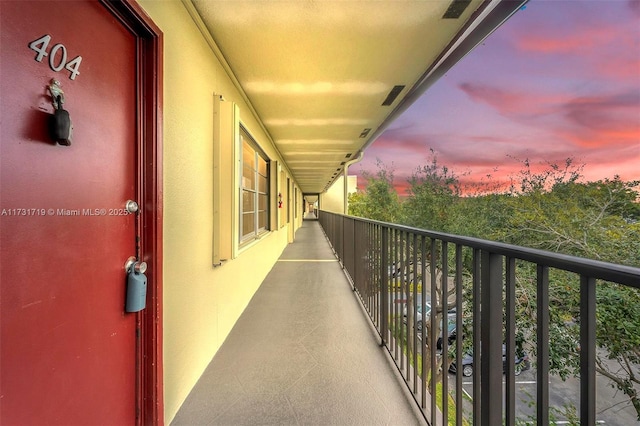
(393, 94)
(456, 8)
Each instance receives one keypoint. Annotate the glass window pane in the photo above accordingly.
(262, 220)
(263, 201)
(248, 201)
(248, 154)
(263, 184)
(248, 177)
(248, 165)
(248, 224)
(262, 166)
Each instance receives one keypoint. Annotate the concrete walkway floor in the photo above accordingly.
(302, 353)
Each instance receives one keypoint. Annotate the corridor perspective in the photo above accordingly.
(303, 352)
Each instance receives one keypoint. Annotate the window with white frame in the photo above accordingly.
(254, 206)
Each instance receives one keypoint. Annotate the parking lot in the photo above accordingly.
(612, 407)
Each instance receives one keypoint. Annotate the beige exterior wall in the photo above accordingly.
(201, 302)
(333, 200)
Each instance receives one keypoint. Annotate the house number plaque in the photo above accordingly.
(57, 56)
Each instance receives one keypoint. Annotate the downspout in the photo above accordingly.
(346, 182)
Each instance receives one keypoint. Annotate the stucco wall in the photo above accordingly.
(201, 302)
(333, 199)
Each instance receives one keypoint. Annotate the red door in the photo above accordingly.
(68, 351)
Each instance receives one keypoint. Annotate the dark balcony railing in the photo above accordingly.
(401, 273)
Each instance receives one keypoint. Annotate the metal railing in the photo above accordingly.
(402, 274)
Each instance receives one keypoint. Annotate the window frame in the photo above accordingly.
(258, 176)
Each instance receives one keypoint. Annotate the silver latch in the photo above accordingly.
(134, 265)
(57, 94)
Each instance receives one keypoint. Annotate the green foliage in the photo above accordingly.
(618, 319)
(433, 192)
(595, 220)
(482, 215)
(551, 210)
(598, 220)
(380, 200)
(618, 331)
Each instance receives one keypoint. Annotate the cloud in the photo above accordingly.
(603, 111)
(551, 44)
(513, 103)
(620, 68)
(592, 119)
(567, 40)
(504, 101)
(401, 143)
(560, 80)
(591, 40)
(498, 172)
(607, 120)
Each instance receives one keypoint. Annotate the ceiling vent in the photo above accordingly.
(364, 133)
(393, 94)
(455, 9)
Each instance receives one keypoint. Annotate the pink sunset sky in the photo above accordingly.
(559, 79)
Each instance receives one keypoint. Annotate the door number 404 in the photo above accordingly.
(57, 56)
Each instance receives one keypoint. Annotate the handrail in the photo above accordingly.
(620, 274)
(392, 266)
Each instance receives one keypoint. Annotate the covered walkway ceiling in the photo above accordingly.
(326, 77)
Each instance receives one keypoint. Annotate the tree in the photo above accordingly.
(380, 200)
(552, 210)
(434, 190)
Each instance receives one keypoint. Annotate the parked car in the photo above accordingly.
(522, 363)
(421, 307)
(451, 327)
(426, 308)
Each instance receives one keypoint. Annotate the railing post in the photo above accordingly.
(445, 330)
(423, 335)
(384, 286)
(491, 340)
(542, 367)
(341, 237)
(459, 333)
(477, 392)
(587, 351)
(432, 336)
(510, 329)
(357, 283)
